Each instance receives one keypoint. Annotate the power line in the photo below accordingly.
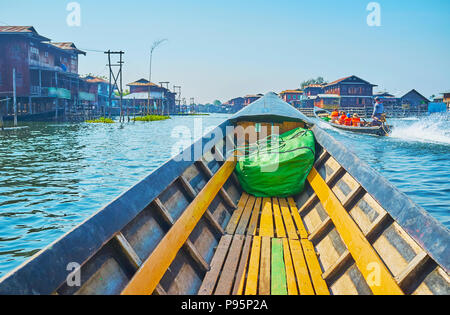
(92, 50)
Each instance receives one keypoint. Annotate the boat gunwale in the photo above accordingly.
(98, 229)
(431, 235)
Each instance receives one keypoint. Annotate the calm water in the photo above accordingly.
(54, 176)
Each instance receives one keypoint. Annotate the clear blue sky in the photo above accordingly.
(223, 49)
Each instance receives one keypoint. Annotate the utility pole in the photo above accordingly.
(15, 97)
(2, 126)
(154, 46)
(115, 79)
(192, 104)
(177, 91)
(165, 85)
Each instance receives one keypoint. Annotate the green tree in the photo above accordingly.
(125, 93)
(217, 103)
(318, 80)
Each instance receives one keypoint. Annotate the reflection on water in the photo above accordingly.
(54, 176)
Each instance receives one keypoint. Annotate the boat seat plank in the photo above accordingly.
(234, 221)
(243, 223)
(226, 280)
(267, 217)
(252, 228)
(315, 271)
(291, 281)
(298, 220)
(301, 268)
(152, 271)
(265, 273)
(361, 250)
(279, 226)
(266, 223)
(253, 269)
(288, 220)
(279, 281)
(243, 264)
(217, 262)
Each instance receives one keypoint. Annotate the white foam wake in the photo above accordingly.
(432, 129)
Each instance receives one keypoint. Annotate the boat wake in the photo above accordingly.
(431, 129)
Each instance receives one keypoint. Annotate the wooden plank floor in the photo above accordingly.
(266, 251)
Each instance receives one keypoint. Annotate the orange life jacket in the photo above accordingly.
(356, 122)
(348, 121)
(342, 119)
(334, 114)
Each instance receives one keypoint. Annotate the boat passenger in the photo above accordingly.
(356, 121)
(348, 121)
(334, 116)
(342, 118)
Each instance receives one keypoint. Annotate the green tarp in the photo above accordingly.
(277, 167)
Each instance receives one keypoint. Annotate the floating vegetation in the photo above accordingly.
(101, 120)
(151, 118)
(193, 114)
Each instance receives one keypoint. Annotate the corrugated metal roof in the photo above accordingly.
(22, 30)
(68, 46)
(142, 82)
(95, 80)
(292, 92)
(346, 78)
(17, 29)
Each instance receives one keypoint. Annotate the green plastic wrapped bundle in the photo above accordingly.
(278, 167)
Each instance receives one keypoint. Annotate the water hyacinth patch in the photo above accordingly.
(151, 118)
(101, 120)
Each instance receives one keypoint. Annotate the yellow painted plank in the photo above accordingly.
(231, 228)
(255, 216)
(281, 233)
(264, 271)
(152, 271)
(315, 270)
(266, 224)
(253, 268)
(298, 220)
(290, 274)
(288, 221)
(367, 260)
(301, 269)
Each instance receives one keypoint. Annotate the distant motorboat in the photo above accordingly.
(383, 130)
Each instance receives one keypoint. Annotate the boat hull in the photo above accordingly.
(382, 130)
(189, 228)
(377, 131)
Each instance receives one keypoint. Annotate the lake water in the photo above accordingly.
(55, 176)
